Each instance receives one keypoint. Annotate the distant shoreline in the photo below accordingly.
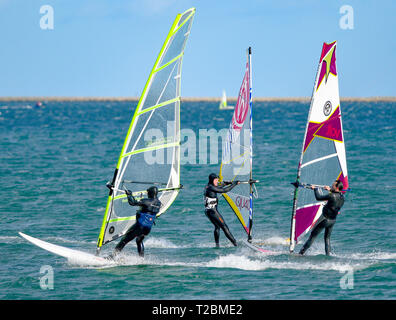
(193, 99)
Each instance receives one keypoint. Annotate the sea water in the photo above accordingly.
(55, 162)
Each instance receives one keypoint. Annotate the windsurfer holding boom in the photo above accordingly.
(211, 201)
(145, 218)
(335, 200)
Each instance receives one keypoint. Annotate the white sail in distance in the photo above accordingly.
(151, 151)
(223, 105)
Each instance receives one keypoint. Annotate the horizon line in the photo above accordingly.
(188, 99)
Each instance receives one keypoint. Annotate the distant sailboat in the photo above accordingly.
(38, 105)
(223, 103)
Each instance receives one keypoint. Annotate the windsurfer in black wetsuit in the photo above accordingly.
(335, 200)
(145, 218)
(211, 201)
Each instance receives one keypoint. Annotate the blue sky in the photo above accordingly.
(107, 48)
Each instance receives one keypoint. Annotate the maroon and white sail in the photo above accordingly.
(323, 158)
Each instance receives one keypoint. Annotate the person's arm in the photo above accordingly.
(224, 189)
(321, 197)
(131, 199)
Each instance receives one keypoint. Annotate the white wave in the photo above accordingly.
(244, 263)
(246, 259)
(128, 260)
(125, 260)
(237, 262)
(335, 266)
(160, 243)
(27, 106)
(231, 261)
(273, 241)
(369, 256)
(9, 239)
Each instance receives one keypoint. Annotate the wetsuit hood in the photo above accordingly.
(152, 192)
(212, 176)
(339, 185)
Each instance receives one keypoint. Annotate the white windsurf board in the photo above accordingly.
(73, 256)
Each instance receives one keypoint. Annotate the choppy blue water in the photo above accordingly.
(55, 162)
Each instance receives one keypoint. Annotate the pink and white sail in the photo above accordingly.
(323, 157)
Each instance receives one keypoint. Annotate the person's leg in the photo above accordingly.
(129, 236)
(328, 230)
(228, 234)
(221, 223)
(140, 245)
(314, 233)
(216, 234)
(211, 214)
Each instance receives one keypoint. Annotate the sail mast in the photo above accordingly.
(293, 220)
(249, 56)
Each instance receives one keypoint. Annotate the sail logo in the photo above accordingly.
(328, 63)
(242, 203)
(242, 105)
(327, 108)
(333, 132)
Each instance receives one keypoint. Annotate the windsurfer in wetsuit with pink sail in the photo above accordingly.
(335, 200)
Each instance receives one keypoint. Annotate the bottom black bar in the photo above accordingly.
(190, 309)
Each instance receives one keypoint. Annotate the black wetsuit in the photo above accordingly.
(211, 200)
(335, 200)
(144, 220)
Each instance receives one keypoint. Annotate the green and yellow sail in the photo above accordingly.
(151, 151)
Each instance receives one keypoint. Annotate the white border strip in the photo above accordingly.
(319, 159)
